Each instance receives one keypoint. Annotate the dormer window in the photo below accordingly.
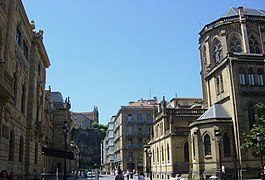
(217, 51)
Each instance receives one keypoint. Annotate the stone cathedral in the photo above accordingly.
(232, 74)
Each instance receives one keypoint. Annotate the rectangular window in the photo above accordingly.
(149, 117)
(251, 79)
(242, 79)
(130, 141)
(217, 85)
(130, 130)
(129, 117)
(139, 117)
(221, 84)
(260, 80)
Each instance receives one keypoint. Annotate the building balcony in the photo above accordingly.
(149, 121)
(131, 121)
(135, 133)
(139, 133)
(139, 121)
(134, 146)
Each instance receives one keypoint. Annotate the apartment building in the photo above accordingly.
(132, 130)
(108, 160)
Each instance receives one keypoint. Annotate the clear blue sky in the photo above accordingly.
(109, 52)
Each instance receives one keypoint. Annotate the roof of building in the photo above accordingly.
(143, 102)
(216, 111)
(56, 97)
(252, 12)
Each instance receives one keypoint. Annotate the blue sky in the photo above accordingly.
(109, 52)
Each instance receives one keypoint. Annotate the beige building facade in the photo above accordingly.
(232, 74)
(168, 152)
(27, 115)
(23, 63)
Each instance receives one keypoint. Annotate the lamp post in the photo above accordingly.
(259, 139)
(65, 131)
(218, 140)
(150, 164)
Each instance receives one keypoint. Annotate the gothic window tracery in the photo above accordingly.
(217, 51)
(235, 44)
(254, 45)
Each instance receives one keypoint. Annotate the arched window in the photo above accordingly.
(207, 145)
(11, 146)
(186, 152)
(14, 85)
(235, 44)
(153, 155)
(163, 154)
(168, 154)
(157, 154)
(251, 115)
(21, 149)
(226, 143)
(260, 77)
(217, 51)
(242, 77)
(36, 153)
(193, 145)
(254, 45)
(23, 99)
(251, 79)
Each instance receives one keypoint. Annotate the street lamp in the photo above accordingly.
(150, 161)
(218, 140)
(259, 139)
(65, 131)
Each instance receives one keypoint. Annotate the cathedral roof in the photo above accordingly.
(216, 111)
(56, 97)
(252, 12)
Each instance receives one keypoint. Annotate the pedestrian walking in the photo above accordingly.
(141, 176)
(11, 176)
(127, 174)
(119, 176)
(3, 175)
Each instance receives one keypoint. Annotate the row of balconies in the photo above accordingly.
(139, 121)
(134, 146)
(135, 133)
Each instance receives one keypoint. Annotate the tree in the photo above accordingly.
(250, 140)
(95, 125)
(103, 128)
